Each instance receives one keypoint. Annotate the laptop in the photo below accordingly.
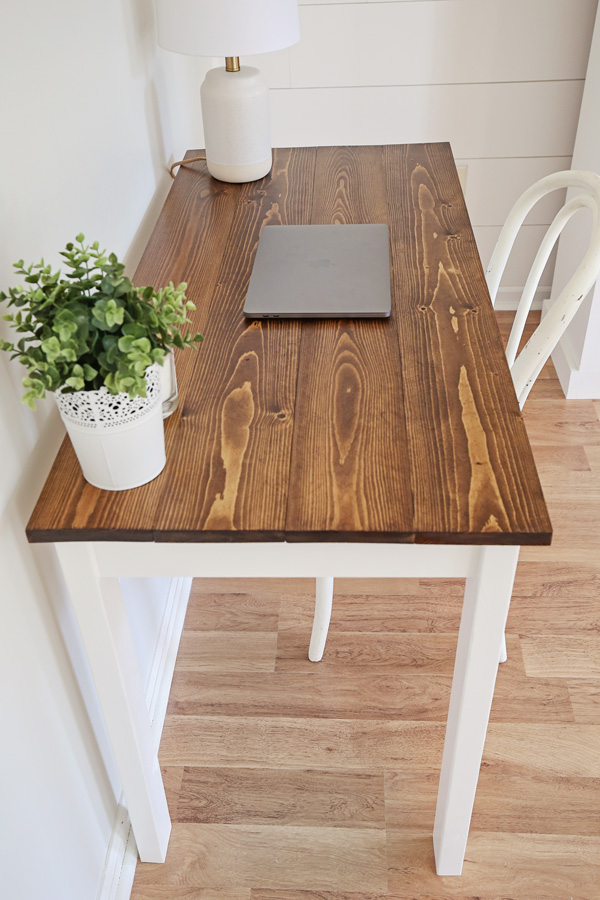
(320, 271)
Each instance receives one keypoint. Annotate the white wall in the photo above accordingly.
(500, 79)
(90, 112)
(576, 358)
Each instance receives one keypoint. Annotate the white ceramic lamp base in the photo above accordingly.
(237, 128)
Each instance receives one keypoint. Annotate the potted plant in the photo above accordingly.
(97, 342)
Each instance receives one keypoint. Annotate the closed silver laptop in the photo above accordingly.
(320, 271)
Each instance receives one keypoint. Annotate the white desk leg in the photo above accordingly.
(102, 618)
(485, 608)
(323, 604)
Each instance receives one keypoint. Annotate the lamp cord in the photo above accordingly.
(182, 162)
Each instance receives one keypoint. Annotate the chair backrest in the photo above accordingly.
(527, 365)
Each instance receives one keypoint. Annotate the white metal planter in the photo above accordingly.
(119, 440)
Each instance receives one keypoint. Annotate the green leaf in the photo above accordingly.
(89, 372)
(142, 344)
(51, 348)
(80, 237)
(29, 399)
(126, 343)
(134, 330)
(75, 382)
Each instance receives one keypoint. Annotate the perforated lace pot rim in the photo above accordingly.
(100, 410)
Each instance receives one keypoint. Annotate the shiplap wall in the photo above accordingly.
(500, 79)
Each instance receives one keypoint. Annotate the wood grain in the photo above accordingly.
(373, 653)
(229, 651)
(585, 699)
(222, 611)
(399, 430)
(573, 424)
(540, 803)
(279, 797)
(464, 428)
(347, 460)
(230, 470)
(520, 866)
(165, 892)
(557, 749)
(359, 695)
(562, 656)
(243, 855)
(172, 777)
(407, 607)
(289, 743)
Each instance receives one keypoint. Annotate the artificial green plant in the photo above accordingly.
(92, 327)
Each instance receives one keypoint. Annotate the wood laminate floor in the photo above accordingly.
(288, 780)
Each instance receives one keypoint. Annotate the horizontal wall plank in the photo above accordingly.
(456, 41)
(274, 67)
(494, 185)
(479, 120)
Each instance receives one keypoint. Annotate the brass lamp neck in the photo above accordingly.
(232, 64)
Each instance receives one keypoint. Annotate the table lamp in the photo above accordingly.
(235, 100)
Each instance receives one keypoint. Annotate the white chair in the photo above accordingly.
(525, 367)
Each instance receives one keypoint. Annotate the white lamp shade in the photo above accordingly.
(227, 27)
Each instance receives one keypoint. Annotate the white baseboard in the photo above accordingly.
(121, 857)
(508, 298)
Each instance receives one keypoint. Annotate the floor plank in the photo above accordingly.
(568, 458)
(236, 611)
(323, 694)
(282, 797)
(540, 803)
(271, 857)
(562, 656)
(226, 651)
(300, 743)
(370, 653)
(172, 777)
(165, 892)
(572, 422)
(406, 608)
(519, 866)
(585, 699)
(555, 749)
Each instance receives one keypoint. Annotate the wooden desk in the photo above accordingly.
(357, 448)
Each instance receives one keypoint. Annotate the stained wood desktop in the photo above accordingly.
(364, 448)
(404, 430)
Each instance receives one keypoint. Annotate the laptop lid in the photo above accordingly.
(320, 271)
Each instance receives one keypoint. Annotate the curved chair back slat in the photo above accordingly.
(526, 367)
